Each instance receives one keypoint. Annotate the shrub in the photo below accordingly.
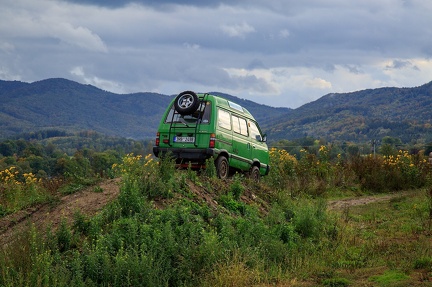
(64, 236)
(19, 190)
(282, 168)
(423, 263)
(210, 168)
(144, 178)
(310, 219)
(237, 188)
(336, 282)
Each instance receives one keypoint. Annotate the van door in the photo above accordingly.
(259, 149)
(224, 131)
(241, 144)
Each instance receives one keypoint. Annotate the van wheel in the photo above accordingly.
(255, 173)
(222, 167)
(186, 103)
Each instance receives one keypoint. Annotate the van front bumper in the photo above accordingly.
(186, 154)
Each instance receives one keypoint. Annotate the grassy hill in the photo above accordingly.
(162, 226)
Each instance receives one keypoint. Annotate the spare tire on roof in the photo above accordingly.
(186, 103)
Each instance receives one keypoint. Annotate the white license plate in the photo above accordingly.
(184, 139)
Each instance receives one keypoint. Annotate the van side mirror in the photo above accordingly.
(264, 138)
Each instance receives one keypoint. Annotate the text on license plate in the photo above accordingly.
(184, 139)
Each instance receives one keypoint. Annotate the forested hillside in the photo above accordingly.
(72, 107)
(359, 117)
(67, 105)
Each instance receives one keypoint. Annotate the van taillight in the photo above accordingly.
(212, 140)
(157, 139)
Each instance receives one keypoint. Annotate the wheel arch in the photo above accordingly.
(256, 162)
(224, 153)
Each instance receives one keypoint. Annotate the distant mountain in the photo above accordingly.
(64, 104)
(404, 113)
(262, 113)
(70, 106)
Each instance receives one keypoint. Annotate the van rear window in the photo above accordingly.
(200, 116)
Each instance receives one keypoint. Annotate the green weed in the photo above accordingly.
(336, 282)
(390, 278)
(423, 263)
(210, 168)
(237, 188)
(98, 189)
(64, 237)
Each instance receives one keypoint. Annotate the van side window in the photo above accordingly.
(243, 127)
(240, 125)
(254, 132)
(224, 119)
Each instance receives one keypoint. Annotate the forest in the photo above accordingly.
(357, 117)
(298, 226)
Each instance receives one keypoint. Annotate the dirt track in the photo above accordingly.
(344, 203)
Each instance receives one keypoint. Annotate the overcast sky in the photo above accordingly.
(282, 53)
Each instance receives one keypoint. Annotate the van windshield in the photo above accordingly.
(200, 116)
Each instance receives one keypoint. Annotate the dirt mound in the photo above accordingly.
(86, 201)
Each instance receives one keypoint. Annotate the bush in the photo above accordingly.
(336, 282)
(19, 190)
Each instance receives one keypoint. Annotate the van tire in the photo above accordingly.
(222, 167)
(254, 173)
(186, 103)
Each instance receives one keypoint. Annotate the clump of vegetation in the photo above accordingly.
(316, 174)
(34, 172)
(18, 191)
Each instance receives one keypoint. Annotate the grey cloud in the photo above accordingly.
(147, 45)
(154, 3)
(397, 64)
(255, 64)
(354, 69)
(400, 64)
(253, 84)
(329, 67)
(310, 26)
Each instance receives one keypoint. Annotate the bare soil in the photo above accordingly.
(355, 201)
(86, 202)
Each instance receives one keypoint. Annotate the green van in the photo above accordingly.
(196, 127)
